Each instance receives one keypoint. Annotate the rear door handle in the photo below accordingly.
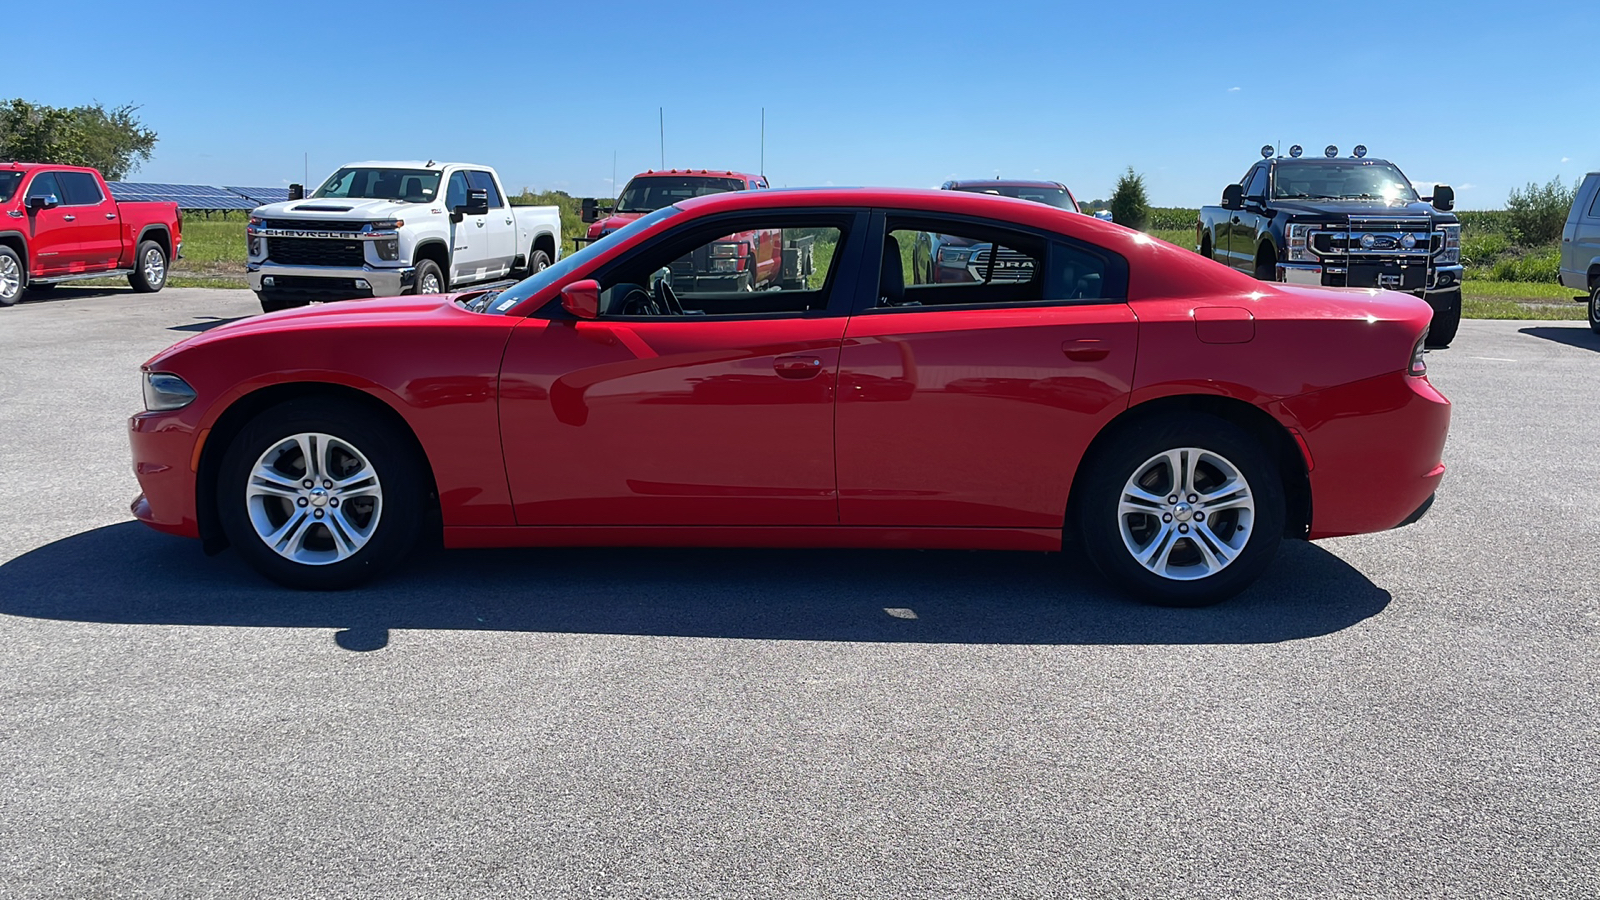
(508, 221)
(1085, 350)
(797, 366)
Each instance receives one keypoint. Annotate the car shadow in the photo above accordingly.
(206, 323)
(79, 292)
(1573, 336)
(128, 574)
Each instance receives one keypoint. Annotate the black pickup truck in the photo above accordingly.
(1343, 222)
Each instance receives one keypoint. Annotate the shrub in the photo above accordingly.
(1130, 205)
(1537, 214)
(1537, 265)
(1484, 248)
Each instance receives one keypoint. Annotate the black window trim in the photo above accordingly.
(844, 278)
(867, 296)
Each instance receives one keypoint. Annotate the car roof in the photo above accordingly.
(720, 173)
(969, 183)
(29, 167)
(409, 164)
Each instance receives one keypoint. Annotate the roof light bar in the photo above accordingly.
(1295, 151)
(1359, 151)
(1331, 151)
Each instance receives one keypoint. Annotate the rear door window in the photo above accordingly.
(80, 187)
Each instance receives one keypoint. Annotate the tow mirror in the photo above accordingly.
(582, 298)
(1233, 197)
(1444, 197)
(297, 192)
(477, 202)
(45, 201)
(591, 210)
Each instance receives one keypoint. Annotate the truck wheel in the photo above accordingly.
(429, 279)
(1446, 320)
(1205, 247)
(538, 261)
(149, 268)
(1594, 309)
(272, 302)
(1266, 270)
(12, 278)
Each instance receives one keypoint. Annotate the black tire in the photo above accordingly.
(1446, 320)
(1594, 309)
(1266, 269)
(271, 301)
(425, 270)
(13, 276)
(1114, 465)
(149, 268)
(538, 261)
(396, 520)
(1205, 247)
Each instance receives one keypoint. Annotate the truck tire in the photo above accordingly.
(1446, 320)
(1266, 269)
(430, 280)
(149, 268)
(13, 278)
(538, 261)
(1205, 247)
(272, 301)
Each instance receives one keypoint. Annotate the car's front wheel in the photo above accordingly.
(1184, 510)
(321, 495)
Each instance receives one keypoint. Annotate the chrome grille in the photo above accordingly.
(1010, 266)
(1379, 236)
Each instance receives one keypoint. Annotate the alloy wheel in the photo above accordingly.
(155, 268)
(314, 499)
(10, 278)
(1186, 514)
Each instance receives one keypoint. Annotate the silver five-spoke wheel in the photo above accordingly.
(10, 279)
(430, 284)
(314, 499)
(155, 267)
(1186, 514)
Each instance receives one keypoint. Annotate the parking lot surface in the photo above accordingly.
(1404, 714)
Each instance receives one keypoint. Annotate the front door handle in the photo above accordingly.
(797, 366)
(70, 218)
(111, 215)
(508, 221)
(1085, 350)
(1235, 220)
(480, 223)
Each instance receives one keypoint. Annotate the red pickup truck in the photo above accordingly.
(61, 223)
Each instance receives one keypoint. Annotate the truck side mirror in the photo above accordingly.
(43, 201)
(1444, 197)
(591, 210)
(582, 298)
(297, 192)
(1233, 196)
(477, 202)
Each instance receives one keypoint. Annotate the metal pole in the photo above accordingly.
(763, 142)
(661, 111)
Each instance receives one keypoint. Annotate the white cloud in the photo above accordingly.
(1466, 187)
(1566, 159)
(1232, 89)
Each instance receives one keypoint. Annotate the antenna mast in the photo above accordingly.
(661, 111)
(763, 171)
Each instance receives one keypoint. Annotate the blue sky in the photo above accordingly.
(1483, 95)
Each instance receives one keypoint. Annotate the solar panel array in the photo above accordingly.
(197, 196)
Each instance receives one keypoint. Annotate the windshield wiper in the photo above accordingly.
(482, 303)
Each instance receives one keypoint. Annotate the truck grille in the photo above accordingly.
(313, 225)
(1383, 236)
(315, 252)
(1010, 267)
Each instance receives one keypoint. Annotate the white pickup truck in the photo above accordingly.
(377, 229)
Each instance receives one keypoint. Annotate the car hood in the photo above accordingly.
(343, 209)
(344, 314)
(1339, 209)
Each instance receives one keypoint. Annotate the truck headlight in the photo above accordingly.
(386, 225)
(1299, 240)
(255, 245)
(388, 250)
(954, 256)
(725, 250)
(1450, 252)
(164, 391)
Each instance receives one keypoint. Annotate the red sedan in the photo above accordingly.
(1179, 417)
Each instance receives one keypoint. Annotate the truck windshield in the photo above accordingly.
(8, 185)
(366, 183)
(1049, 195)
(652, 193)
(499, 302)
(1341, 181)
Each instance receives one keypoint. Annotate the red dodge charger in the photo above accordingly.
(1176, 416)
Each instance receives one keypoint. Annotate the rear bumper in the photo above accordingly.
(1372, 471)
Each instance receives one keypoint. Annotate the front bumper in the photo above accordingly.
(1436, 280)
(165, 454)
(270, 276)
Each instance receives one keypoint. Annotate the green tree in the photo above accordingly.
(1130, 205)
(1537, 213)
(111, 140)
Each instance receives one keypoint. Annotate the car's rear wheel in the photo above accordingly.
(1184, 510)
(1594, 309)
(321, 495)
(538, 261)
(149, 268)
(1446, 319)
(12, 278)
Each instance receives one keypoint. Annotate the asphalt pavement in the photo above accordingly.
(1405, 714)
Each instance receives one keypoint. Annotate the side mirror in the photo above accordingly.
(1233, 196)
(582, 298)
(47, 201)
(477, 202)
(1444, 197)
(297, 192)
(591, 210)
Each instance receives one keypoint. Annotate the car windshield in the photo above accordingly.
(652, 193)
(1352, 180)
(1049, 195)
(8, 185)
(367, 183)
(500, 302)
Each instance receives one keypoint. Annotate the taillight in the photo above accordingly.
(1419, 363)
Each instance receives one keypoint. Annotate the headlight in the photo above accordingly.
(164, 391)
(388, 249)
(724, 250)
(386, 225)
(1450, 255)
(255, 245)
(1300, 243)
(954, 256)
